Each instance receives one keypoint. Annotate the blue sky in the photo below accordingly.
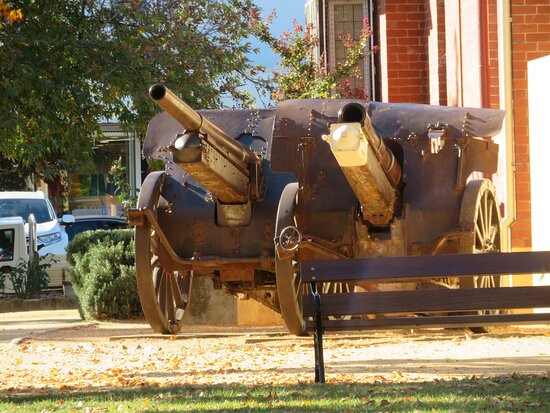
(287, 11)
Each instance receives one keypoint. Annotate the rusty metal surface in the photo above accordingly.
(432, 183)
(428, 196)
(135, 218)
(376, 196)
(163, 129)
(225, 181)
(192, 231)
(237, 272)
(310, 117)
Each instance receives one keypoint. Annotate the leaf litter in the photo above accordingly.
(49, 362)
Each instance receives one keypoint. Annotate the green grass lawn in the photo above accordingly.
(501, 394)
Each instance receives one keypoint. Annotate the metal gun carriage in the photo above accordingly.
(247, 195)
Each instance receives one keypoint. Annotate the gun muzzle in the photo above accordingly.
(354, 112)
(192, 121)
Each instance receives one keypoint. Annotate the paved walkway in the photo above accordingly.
(28, 323)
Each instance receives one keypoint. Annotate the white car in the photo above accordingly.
(51, 237)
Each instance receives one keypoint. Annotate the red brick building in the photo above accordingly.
(458, 52)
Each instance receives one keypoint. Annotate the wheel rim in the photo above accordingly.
(289, 283)
(164, 294)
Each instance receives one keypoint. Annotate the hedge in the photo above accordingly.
(103, 274)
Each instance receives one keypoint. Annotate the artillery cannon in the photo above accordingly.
(247, 195)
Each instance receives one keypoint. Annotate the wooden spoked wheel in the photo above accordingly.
(479, 213)
(289, 284)
(164, 294)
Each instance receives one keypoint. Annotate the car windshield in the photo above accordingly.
(24, 207)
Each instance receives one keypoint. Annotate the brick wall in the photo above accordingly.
(415, 35)
(530, 40)
(406, 41)
(493, 100)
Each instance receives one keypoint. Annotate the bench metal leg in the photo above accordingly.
(318, 336)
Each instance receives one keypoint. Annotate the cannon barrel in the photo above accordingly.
(355, 112)
(192, 121)
(369, 166)
(231, 171)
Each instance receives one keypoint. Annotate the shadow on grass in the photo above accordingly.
(505, 393)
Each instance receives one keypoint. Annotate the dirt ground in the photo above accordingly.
(63, 354)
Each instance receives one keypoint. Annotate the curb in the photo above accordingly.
(37, 304)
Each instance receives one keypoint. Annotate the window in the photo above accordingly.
(346, 17)
(6, 244)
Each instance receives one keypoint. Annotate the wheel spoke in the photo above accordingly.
(485, 211)
(161, 295)
(154, 260)
(479, 236)
(184, 285)
(493, 234)
(157, 278)
(482, 282)
(482, 227)
(154, 243)
(178, 300)
(170, 315)
(490, 212)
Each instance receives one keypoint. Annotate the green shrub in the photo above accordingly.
(29, 279)
(103, 274)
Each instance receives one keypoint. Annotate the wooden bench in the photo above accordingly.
(461, 307)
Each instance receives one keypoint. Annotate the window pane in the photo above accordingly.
(6, 244)
(348, 20)
(24, 207)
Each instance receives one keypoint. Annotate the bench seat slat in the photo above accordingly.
(472, 320)
(389, 269)
(434, 300)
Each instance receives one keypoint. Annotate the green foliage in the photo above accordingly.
(12, 177)
(69, 64)
(103, 274)
(119, 177)
(303, 73)
(29, 279)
